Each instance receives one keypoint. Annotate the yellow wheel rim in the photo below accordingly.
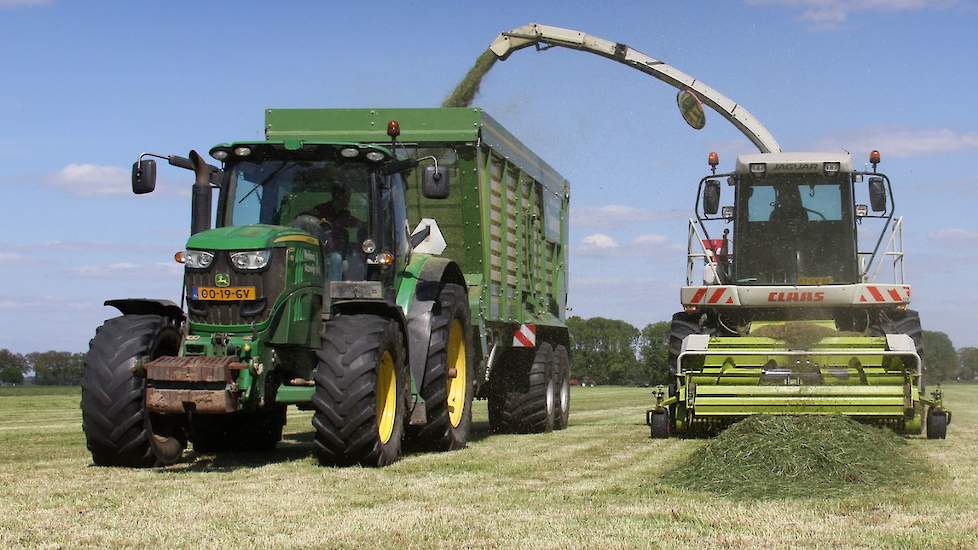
(386, 397)
(457, 389)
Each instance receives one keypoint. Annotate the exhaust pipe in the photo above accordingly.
(200, 209)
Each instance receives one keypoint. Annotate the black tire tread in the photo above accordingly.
(114, 417)
(561, 376)
(345, 401)
(513, 410)
(438, 433)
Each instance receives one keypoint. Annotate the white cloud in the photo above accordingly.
(953, 234)
(613, 215)
(598, 244)
(831, 14)
(92, 179)
(902, 142)
(126, 270)
(10, 258)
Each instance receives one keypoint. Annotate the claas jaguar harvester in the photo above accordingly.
(379, 267)
(790, 316)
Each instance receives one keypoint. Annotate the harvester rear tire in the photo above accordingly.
(936, 424)
(114, 417)
(450, 321)
(561, 387)
(353, 425)
(521, 396)
(683, 324)
(906, 322)
(661, 425)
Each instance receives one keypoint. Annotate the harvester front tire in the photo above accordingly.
(661, 425)
(561, 387)
(936, 424)
(521, 397)
(114, 417)
(449, 349)
(362, 387)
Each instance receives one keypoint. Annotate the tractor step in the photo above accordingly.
(203, 385)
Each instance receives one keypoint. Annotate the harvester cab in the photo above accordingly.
(790, 315)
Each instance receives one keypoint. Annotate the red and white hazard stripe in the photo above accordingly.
(712, 295)
(525, 336)
(884, 294)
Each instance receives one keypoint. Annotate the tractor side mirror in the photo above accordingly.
(434, 182)
(711, 197)
(143, 176)
(877, 194)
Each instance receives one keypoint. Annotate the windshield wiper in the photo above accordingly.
(264, 181)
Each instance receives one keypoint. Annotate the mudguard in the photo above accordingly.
(147, 306)
(429, 277)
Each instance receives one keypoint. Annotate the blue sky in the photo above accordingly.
(85, 90)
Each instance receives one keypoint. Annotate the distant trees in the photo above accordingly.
(52, 368)
(611, 351)
(13, 367)
(940, 358)
(57, 368)
(968, 359)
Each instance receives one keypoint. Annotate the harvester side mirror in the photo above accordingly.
(711, 197)
(143, 176)
(434, 182)
(877, 194)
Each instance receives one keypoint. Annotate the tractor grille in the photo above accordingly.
(269, 284)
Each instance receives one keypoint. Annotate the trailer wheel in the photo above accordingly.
(362, 386)
(660, 425)
(521, 396)
(448, 388)
(936, 424)
(114, 418)
(561, 387)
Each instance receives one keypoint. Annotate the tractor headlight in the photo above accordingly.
(197, 259)
(252, 259)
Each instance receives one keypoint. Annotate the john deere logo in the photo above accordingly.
(222, 279)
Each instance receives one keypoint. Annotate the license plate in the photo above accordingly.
(227, 294)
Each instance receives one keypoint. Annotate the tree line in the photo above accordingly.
(611, 351)
(605, 351)
(50, 368)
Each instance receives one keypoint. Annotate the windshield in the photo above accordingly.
(795, 229)
(329, 200)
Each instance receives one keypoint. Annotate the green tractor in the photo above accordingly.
(790, 318)
(310, 289)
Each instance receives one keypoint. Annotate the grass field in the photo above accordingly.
(597, 484)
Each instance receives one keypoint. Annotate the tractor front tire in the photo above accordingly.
(521, 396)
(362, 387)
(448, 387)
(561, 387)
(114, 417)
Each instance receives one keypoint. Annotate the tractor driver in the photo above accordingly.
(337, 221)
(787, 206)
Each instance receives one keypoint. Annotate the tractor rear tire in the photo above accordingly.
(448, 400)
(936, 424)
(114, 417)
(561, 387)
(362, 389)
(521, 396)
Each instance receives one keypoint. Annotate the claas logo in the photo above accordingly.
(796, 296)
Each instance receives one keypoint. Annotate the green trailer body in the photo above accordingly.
(505, 222)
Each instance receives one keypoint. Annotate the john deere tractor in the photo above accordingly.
(790, 317)
(309, 289)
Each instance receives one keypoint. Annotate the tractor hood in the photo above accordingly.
(249, 237)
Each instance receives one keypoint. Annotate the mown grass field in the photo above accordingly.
(597, 484)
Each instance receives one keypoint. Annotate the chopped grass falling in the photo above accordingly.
(773, 457)
(465, 91)
(800, 335)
